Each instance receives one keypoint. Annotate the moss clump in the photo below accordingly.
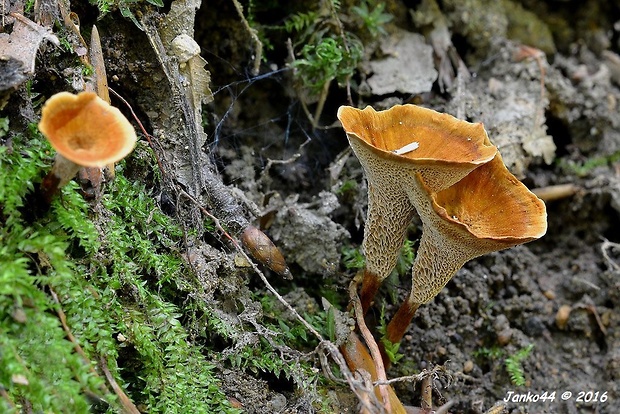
(113, 282)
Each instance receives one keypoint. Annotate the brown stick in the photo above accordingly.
(6, 397)
(427, 394)
(555, 192)
(372, 346)
(127, 404)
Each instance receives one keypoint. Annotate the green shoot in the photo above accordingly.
(372, 16)
(514, 367)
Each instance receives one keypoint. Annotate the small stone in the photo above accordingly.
(534, 326)
(19, 379)
(504, 336)
(235, 403)
(19, 315)
(561, 317)
(278, 402)
(468, 366)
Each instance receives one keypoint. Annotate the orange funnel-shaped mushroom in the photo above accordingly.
(86, 132)
(488, 210)
(395, 147)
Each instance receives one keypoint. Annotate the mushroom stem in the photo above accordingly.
(370, 286)
(62, 172)
(389, 215)
(438, 258)
(400, 321)
(488, 210)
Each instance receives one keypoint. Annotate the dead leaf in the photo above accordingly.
(22, 44)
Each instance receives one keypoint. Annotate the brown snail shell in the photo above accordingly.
(262, 249)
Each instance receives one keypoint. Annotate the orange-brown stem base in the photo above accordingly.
(370, 287)
(50, 187)
(400, 321)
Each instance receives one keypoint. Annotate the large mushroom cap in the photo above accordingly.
(486, 211)
(441, 138)
(86, 130)
(493, 205)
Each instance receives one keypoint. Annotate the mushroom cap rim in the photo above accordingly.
(74, 156)
(406, 160)
(504, 240)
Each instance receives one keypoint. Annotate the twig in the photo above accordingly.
(320, 104)
(6, 395)
(258, 45)
(217, 223)
(126, 403)
(372, 345)
(408, 378)
(146, 134)
(65, 327)
(289, 160)
(418, 377)
(592, 309)
(555, 192)
(427, 394)
(128, 406)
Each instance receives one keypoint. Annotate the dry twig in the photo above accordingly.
(371, 343)
(555, 192)
(128, 406)
(126, 403)
(427, 394)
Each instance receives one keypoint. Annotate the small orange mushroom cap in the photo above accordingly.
(86, 130)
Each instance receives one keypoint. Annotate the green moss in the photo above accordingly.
(118, 279)
(38, 365)
(124, 6)
(352, 258)
(372, 17)
(514, 367)
(582, 169)
(512, 363)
